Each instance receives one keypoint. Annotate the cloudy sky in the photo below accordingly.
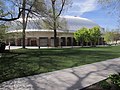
(92, 10)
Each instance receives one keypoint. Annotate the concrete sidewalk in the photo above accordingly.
(36, 47)
(67, 79)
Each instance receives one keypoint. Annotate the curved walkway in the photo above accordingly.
(68, 79)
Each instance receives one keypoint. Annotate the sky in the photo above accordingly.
(92, 10)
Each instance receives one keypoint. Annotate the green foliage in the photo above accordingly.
(117, 36)
(108, 36)
(111, 36)
(115, 79)
(95, 33)
(2, 32)
(81, 34)
(88, 35)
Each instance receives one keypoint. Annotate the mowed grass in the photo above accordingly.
(25, 62)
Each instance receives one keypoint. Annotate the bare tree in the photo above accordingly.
(55, 9)
(36, 8)
(25, 10)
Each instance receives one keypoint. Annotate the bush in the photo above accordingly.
(104, 84)
(115, 79)
(2, 47)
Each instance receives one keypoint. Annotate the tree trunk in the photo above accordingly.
(116, 42)
(86, 43)
(91, 44)
(24, 23)
(94, 44)
(82, 43)
(55, 38)
(54, 27)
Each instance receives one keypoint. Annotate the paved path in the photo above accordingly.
(35, 47)
(67, 79)
(18, 47)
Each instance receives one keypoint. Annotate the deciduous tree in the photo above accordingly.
(88, 35)
(95, 34)
(23, 9)
(55, 8)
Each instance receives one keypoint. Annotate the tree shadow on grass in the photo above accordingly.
(22, 63)
(68, 79)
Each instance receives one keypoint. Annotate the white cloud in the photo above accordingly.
(79, 7)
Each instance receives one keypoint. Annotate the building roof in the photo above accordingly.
(75, 23)
(72, 24)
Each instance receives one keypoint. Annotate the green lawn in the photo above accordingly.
(24, 62)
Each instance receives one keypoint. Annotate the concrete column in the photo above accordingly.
(26, 41)
(59, 41)
(38, 41)
(16, 42)
(65, 41)
(30, 41)
(49, 41)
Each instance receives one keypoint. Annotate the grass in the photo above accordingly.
(25, 62)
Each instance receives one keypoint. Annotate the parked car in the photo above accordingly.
(2, 47)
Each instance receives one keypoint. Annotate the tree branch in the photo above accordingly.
(12, 19)
(63, 3)
(30, 10)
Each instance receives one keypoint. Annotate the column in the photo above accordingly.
(65, 41)
(16, 43)
(59, 41)
(37, 39)
(72, 42)
(26, 42)
(49, 41)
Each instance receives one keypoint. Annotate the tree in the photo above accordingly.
(32, 8)
(55, 9)
(88, 35)
(6, 15)
(28, 8)
(116, 36)
(2, 32)
(82, 35)
(111, 36)
(25, 9)
(108, 37)
(95, 34)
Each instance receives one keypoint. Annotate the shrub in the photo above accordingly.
(2, 47)
(104, 84)
(115, 79)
